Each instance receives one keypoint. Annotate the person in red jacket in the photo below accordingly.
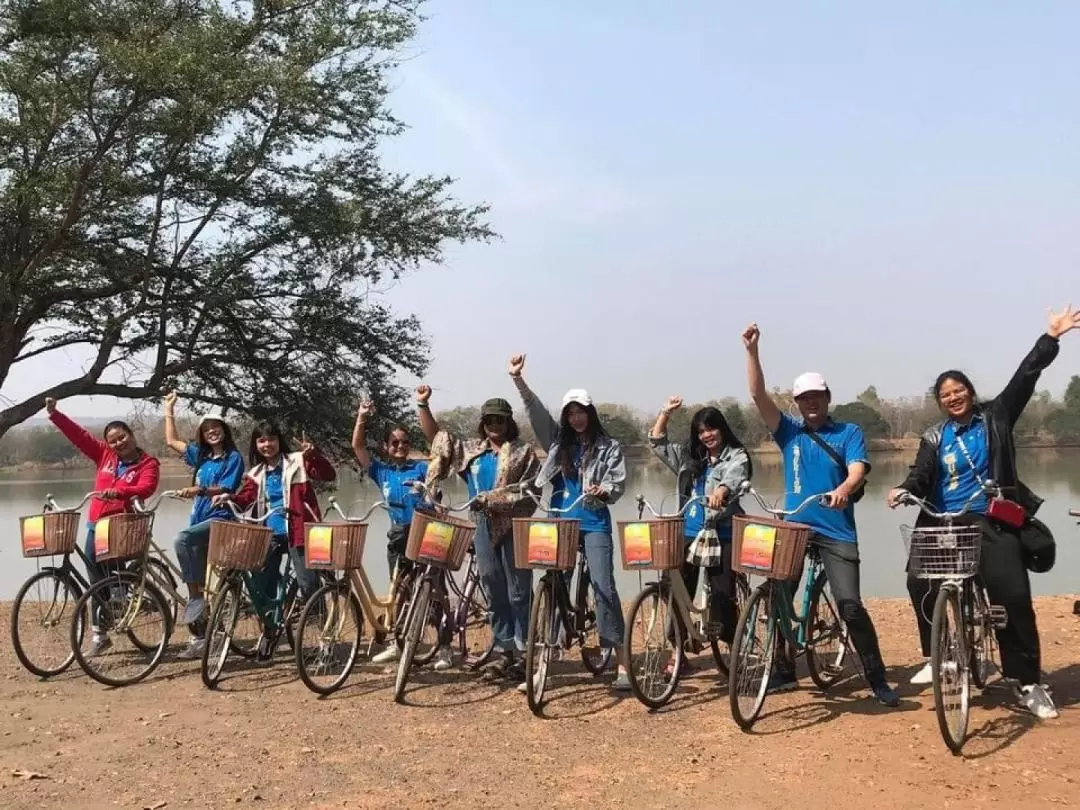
(280, 479)
(123, 472)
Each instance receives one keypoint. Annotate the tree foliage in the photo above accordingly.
(861, 414)
(193, 190)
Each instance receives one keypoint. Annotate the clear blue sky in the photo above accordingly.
(887, 191)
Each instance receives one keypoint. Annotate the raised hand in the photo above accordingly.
(673, 404)
(423, 394)
(517, 365)
(170, 401)
(750, 337)
(366, 410)
(306, 445)
(50, 405)
(1064, 321)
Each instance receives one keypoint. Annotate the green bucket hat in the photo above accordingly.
(496, 407)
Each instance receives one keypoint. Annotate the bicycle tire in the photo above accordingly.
(344, 599)
(224, 613)
(745, 717)
(825, 671)
(83, 609)
(742, 596)
(418, 613)
(161, 571)
(476, 604)
(593, 663)
(655, 593)
(75, 590)
(541, 625)
(982, 639)
(948, 601)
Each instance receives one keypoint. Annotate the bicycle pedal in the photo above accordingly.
(998, 617)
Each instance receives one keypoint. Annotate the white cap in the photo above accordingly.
(810, 381)
(213, 416)
(578, 395)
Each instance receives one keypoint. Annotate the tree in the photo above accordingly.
(1072, 394)
(861, 414)
(621, 423)
(194, 190)
(50, 446)
(870, 398)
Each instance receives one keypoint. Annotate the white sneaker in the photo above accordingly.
(391, 653)
(193, 650)
(444, 659)
(523, 687)
(923, 676)
(1035, 699)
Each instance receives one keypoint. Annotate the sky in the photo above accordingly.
(887, 189)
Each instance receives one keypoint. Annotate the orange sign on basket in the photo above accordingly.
(543, 544)
(101, 537)
(758, 545)
(33, 533)
(319, 540)
(637, 544)
(435, 544)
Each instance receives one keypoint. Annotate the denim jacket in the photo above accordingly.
(730, 470)
(603, 464)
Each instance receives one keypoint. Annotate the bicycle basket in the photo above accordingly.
(337, 546)
(657, 544)
(440, 540)
(549, 543)
(943, 552)
(49, 533)
(242, 546)
(768, 547)
(120, 537)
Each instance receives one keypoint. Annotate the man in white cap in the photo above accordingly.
(822, 456)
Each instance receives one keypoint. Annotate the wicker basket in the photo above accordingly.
(242, 546)
(549, 543)
(656, 544)
(438, 540)
(121, 537)
(334, 546)
(49, 533)
(767, 547)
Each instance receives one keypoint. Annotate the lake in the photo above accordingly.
(1054, 475)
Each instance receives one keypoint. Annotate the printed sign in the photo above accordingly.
(319, 540)
(758, 545)
(101, 537)
(435, 544)
(637, 544)
(543, 544)
(33, 533)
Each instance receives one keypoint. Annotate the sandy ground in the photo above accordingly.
(263, 740)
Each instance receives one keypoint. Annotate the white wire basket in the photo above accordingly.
(943, 552)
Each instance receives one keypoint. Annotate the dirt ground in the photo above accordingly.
(263, 740)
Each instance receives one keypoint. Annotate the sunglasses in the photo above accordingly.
(494, 420)
(399, 442)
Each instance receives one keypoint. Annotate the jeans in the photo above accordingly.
(722, 605)
(1002, 571)
(396, 540)
(95, 572)
(841, 563)
(508, 589)
(267, 581)
(600, 554)
(191, 547)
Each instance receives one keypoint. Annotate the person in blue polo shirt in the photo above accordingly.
(823, 456)
(217, 468)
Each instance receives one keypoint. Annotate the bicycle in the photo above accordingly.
(683, 624)
(962, 629)
(771, 605)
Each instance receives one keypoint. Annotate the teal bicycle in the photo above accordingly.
(769, 619)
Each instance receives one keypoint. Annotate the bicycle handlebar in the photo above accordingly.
(383, 504)
(643, 504)
(747, 489)
(987, 489)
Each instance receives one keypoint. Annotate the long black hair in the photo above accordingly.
(960, 377)
(205, 451)
(567, 438)
(698, 454)
(116, 424)
(266, 429)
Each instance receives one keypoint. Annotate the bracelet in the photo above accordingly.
(422, 405)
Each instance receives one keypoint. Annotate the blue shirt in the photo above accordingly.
(391, 478)
(275, 498)
(566, 489)
(695, 515)
(226, 471)
(480, 476)
(956, 480)
(809, 470)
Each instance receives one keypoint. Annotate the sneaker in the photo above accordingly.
(193, 650)
(265, 651)
(923, 676)
(499, 666)
(444, 659)
(390, 654)
(1036, 700)
(782, 682)
(194, 610)
(886, 696)
(621, 682)
(523, 687)
(99, 644)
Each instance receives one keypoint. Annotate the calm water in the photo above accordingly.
(1055, 475)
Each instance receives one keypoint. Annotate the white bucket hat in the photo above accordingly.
(577, 395)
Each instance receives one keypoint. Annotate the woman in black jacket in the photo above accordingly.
(975, 444)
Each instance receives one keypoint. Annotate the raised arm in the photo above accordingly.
(75, 433)
(316, 465)
(669, 453)
(428, 424)
(770, 414)
(359, 434)
(543, 424)
(1016, 395)
(172, 438)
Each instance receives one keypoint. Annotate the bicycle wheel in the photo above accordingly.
(132, 616)
(752, 657)
(419, 611)
(428, 644)
(982, 639)
(219, 631)
(721, 650)
(827, 642)
(328, 637)
(542, 639)
(949, 665)
(40, 622)
(159, 572)
(650, 651)
(594, 657)
(475, 639)
(247, 630)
